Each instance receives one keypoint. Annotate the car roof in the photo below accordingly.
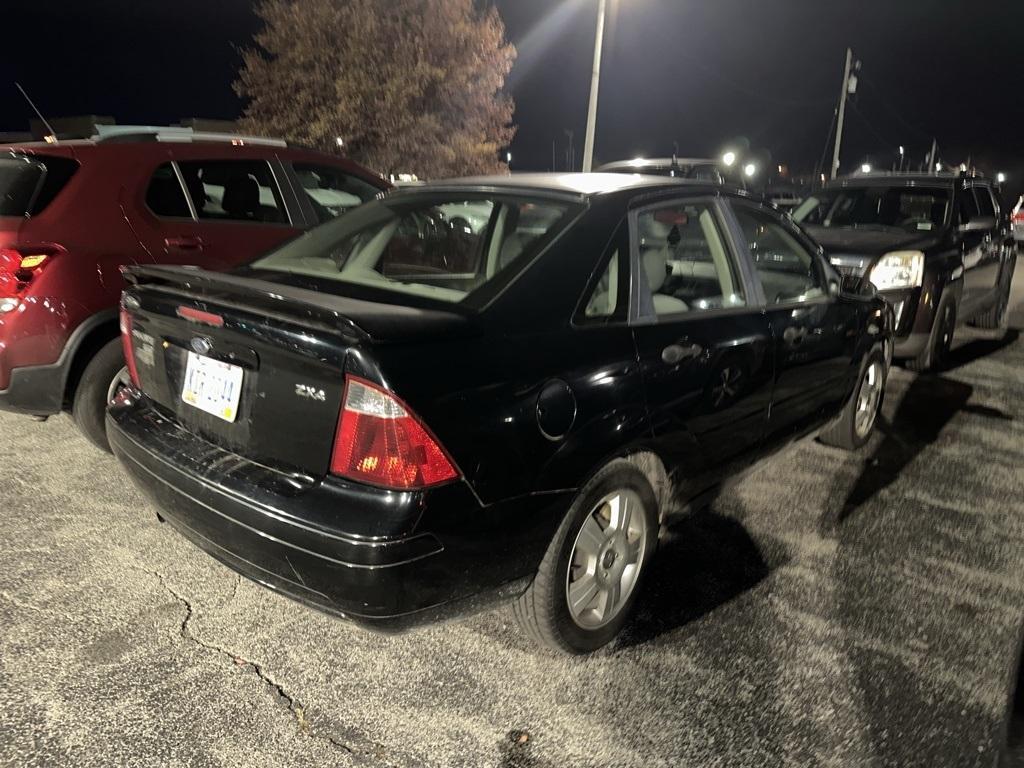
(657, 162)
(583, 185)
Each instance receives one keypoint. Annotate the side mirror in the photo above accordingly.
(978, 224)
(854, 285)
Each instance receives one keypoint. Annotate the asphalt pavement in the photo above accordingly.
(827, 609)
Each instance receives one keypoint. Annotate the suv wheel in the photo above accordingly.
(935, 354)
(99, 380)
(590, 576)
(857, 420)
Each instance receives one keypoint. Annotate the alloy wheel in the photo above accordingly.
(868, 398)
(606, 559)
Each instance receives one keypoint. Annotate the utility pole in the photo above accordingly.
(842, 112)
(570, 152)
(595, 82)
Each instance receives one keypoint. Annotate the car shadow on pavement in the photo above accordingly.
(977, 349)
(707, 558)
(928, 405)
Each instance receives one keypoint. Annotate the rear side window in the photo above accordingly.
(436, 246)
(29, 184)
(685, 264)
(985, 204)
(234, 190)
(331, 191)
(164, 195)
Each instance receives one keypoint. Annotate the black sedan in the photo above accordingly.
(411, 412)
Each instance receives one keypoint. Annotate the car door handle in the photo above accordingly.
(184, 243)
(676, 353)
(794, 335)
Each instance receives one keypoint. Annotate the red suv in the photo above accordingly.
(71, 213)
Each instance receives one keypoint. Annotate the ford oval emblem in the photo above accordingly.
(201, 345)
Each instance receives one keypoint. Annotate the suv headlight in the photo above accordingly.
(898, 269)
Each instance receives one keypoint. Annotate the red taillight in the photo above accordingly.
(379, 441)
(20, 264)
(129, 346)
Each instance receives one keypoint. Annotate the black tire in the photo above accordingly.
(845, 432)
(998, 317)
(543, 610)
(940, 342)
(89, 406)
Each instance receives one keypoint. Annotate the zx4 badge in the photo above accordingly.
(310, 393)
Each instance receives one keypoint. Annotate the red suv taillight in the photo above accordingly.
(20, 264)
(129, 346)
(379, 441)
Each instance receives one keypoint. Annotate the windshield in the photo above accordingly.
(442, 247)
(908, 208)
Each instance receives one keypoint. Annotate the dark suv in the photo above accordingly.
(937, 246)
(73, 212)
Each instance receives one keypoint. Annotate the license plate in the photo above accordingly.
(212, 386)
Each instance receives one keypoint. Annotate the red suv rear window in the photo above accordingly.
(30, 183)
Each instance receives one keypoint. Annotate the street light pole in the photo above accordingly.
(595, 82)
(842, 112)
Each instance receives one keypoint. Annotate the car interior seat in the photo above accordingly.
(242, 198)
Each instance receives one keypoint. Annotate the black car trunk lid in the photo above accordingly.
(273, 391)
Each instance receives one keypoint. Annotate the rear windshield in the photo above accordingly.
(907, 208)
(442, 247)
(30, 183)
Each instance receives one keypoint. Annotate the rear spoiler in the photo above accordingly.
(355, 319)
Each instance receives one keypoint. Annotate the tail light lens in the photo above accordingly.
(129, 346)
(379, 441)
(21, 264)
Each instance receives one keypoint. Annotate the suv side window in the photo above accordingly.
(164, 195)
(234, 190)
(684, 260)
(967, 206)
(331, 191)
(985, 204)
(788, 270)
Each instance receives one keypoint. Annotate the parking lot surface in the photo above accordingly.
(827, 609)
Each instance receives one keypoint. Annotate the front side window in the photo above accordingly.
(685, 261)
(443, 247)
(878, 208)
(234, 190)
(967, 206)
(331, 191)
(985, 204)
(788, 271)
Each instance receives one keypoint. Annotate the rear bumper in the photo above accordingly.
(277, 531)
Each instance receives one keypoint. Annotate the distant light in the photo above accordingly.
(866, 168)
(508, 157)
(729, 158)
(50, 139)
(901, 149)
(938, 167)
(1000, 178)
(749, 169)
(636, 162)
(823, 177)
(339, 141)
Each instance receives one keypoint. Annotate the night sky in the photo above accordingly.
(694, 72)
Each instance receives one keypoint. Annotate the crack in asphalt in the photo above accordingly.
(296, 709)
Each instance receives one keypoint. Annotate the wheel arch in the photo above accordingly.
(90, 338)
